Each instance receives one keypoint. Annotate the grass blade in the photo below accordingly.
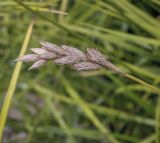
(149, 139)
(13, 82)
(63, 9)
(86, 133)
(89, 113)
(157, 116)
(59, 119)
(153, 88)
(110, 112)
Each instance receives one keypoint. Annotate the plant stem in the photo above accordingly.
(153, 88)
(13, 83)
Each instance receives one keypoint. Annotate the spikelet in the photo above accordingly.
(47, 56)
(38, 50)
(53, 48)
(37, 64)
(28, 58)
(66, 60)
(74, 52)
(95, 56)
(86, 66)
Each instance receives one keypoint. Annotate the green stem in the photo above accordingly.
(153, 88)
(13, 83)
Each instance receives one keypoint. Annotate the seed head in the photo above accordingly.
(66, 55)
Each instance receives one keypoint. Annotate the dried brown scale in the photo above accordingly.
(66, 55)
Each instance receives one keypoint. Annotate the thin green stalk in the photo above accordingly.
(123, 35)
(156, 2)
(59, 119)
(131, 14)
(111, 112)
(153, 88)
(13, 83)
(89, 113)
(10, 3)
(63, 9)
(157, 118)
(86, 133)
(46, 10)
(54, 23)
(149, 139)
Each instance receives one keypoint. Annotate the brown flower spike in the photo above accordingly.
(66, 55)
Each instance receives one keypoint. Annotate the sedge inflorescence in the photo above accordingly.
(92, 59)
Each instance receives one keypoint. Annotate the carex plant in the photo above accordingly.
(91, 59)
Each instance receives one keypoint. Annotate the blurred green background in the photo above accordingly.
(57, 104)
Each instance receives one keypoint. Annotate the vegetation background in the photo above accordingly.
(57, 104)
